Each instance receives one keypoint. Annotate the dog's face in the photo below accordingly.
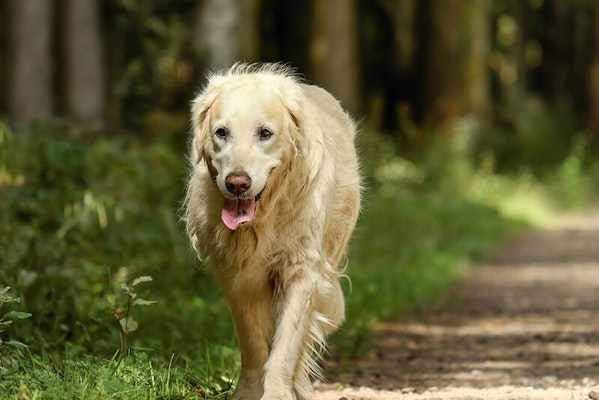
(242, 131)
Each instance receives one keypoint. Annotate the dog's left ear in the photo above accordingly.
(199, 121)
(295, 123)
(303, 131)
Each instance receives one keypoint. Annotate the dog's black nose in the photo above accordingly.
(238, 183)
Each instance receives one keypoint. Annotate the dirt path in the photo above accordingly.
(525, 325)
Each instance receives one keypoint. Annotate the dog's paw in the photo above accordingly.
(278, 396)
(248, 389)
(246, 395)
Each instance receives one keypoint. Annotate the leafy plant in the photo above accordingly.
(126, 320)
(9, 349)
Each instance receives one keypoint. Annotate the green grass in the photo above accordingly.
(82, 215)
(86, 377)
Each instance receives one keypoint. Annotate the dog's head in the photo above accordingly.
(245, 126)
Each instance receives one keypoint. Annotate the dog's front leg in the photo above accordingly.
(253, 317)
(298, 330)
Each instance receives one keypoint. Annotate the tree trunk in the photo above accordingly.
(3, 56)
(85, 69)
(402, 13)
(334, 50)
(30, 91)
(227, 32)
(512, 73)
(441, 90)
(397, 66)
(593, 86)
(477, 35)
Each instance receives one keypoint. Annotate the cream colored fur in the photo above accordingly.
(279, 271)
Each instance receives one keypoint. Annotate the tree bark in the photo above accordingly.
(593, 86)
(477, 36)
(334, 50)
(85, 69)
(441, 98)
(30, 85)
(513, 73)
(227, 32)
(402, 13)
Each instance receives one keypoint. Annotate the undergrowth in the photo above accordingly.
(85, 214)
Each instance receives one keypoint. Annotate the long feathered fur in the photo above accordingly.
(288, 256)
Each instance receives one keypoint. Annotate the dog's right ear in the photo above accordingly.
(200, 122)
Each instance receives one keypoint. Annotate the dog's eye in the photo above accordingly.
(265, 134)
(221, 132)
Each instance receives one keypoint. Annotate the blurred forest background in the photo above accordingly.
(478, 119)
(124, 63)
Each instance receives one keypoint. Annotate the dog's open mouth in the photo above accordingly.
(238, 211)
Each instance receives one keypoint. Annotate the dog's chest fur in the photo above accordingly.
(251, 258)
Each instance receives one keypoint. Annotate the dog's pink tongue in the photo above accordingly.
(236, 212)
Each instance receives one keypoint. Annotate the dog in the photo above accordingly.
(272, 200)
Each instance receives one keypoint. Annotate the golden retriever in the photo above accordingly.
(272, 201)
